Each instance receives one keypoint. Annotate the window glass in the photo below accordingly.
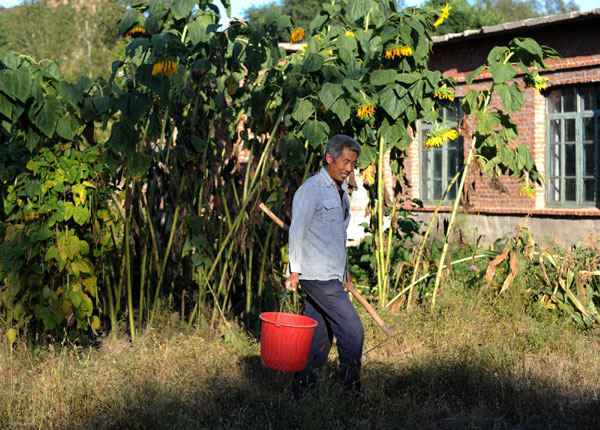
(568, 100)
(439, 165)
(554, 101)
(572, 155)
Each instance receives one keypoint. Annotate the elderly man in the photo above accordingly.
(317, 260)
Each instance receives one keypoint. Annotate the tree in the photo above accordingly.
(302, 12)
(79, 36)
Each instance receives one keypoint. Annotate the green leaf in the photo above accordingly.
(67, 126)
(46, 115)
(368, 155)
(316, 132)
(392, 104)
(317, 22)
(512, 97)
(470, 102)
(51, 253)
(329, 94)
(11, 336)
(76, 295)
(525, 156)
(478, 71)
(134, 105)
(6, 107)
(81, 215)
(342, 110)
(302, 112)
(130, 18)
(79, 194)
(502, 72)
(198, 29)
(16, 84)
(358, 9)
(140, 164)
(383, 77)
(87, 306)
(528, 45)
(181, 8)
(102, 104)
(313, 63)
(497, 54)
(486, 122)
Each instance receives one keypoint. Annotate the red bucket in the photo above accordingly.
(285, 340)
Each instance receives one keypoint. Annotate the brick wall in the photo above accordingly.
(579, 42)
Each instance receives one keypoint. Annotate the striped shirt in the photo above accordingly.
(317, 240)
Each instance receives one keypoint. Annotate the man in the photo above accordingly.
(317, 260)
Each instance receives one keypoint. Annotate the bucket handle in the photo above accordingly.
(283, 299)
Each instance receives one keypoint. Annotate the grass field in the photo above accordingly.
(474, 363)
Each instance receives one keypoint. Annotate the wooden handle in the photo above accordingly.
(361, 299)
(274, 217)
(386, 329)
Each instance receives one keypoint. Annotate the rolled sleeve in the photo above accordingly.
(303, 209)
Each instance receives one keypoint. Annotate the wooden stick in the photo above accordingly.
(386, 329)
(273, 217)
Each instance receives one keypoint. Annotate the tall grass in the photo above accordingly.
(474, 362)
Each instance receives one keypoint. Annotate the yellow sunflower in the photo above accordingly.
(164, 68)
(366, 110)
(368, 175)
(297, 35)
(136, 32)
(439, 137)
(445, 13)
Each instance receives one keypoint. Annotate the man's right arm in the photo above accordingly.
(303, 208)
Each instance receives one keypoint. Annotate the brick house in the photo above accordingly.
(561, 127)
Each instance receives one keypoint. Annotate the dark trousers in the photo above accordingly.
(328, 303)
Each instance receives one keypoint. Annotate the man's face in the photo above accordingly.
(341, 167)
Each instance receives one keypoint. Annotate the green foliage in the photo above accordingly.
(79, 36)
(302, 13)
(496, 133)
(50, 195)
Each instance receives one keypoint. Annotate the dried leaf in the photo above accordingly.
(514, 267)
(491, 270)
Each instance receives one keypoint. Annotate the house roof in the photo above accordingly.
(508, 27)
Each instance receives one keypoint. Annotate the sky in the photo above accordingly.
(238, 6)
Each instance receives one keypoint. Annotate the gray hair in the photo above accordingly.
(337, 143)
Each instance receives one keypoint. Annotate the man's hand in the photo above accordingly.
(292, 282)
(348, 286)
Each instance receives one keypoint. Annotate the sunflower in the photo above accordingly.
(439, 137)
(136, 32)
(164, 68)
(368, 175)
(297, 35)
(445, 13)
(366, 110)
(536, 81)
(527, 191)
(395, 50)
(444, 93)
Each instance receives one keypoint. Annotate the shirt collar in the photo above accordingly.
(329, 182)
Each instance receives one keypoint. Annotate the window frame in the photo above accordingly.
(427, 179)
(578, 115)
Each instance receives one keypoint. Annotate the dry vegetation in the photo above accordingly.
(474, 363)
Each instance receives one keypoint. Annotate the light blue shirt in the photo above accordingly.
(317, 238)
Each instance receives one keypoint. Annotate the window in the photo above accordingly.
(439, 165)
(572, 146)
